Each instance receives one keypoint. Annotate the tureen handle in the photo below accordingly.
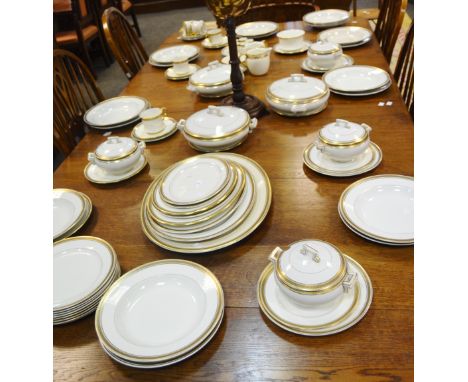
(142, 146)
(114, 139)
(253, 124)
(213, 64)
(298, 108)
(275, 255)
(349, 281)
(320, 147)
(367, 127)
(343, 122)
(215, 110)
(181, 125)
(192, 88)
(92, 158)
(309, 250)
(297, 77)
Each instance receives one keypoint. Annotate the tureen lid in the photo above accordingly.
(344, 133)
(217, 122)
(116, 148)
(311, 266)
(324, 47)
(297, 88)
(212, 75)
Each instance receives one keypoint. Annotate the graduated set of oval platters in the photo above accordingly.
(165, 311)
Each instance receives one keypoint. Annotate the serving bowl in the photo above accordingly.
(213, 80)
(324, 54)
(217, 128)
(312, 272)
(117, 155)
(342, 140)
(298, 95)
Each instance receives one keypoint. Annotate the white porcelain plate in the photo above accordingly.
(381, 207)
(257, 29)
(167, 55)
(81, 265)
(346, 35)
(68, 208)
(96, 174)
(356, 78)
(140, 134)
(115, 111)
(159, 309)
(194, 181)
(326, 17)
(344, 60)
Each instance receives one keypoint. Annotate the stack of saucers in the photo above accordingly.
(160, 313)
(84, 268)
(117, 112)
(205, 203)
(326, 18)
(347, 37)
(380, 209)
(357, 80)
(71, 211)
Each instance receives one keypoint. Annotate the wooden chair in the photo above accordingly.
(333, 4)
(126, 7)
(74, 92)
(277, 10)
(404, 70)
(85, 31)
(123, 41)
(389, 23)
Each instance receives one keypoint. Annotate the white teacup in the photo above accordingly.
(215, 36)
(258, 61)
(291, 39)
(181, 65)
(193, 28)
(153, 119)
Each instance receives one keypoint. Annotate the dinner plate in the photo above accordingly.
(96, 174)
(344, 60)
(194, 181)
(139, 133)
(167, 55)
(81, 265)
(257, 29)
(115, 111)
(363, 94)
(68, 208)
(381, 207)
(356, 79)
(159, 310)
(326, 18)
(321, 163)
(346, 36)
(253, 220)
(322, 320)
(169, 64)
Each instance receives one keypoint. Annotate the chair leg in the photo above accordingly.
(135, 21)
(104, 51)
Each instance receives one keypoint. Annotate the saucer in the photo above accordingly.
(96, 174)
(192, 38)
(140, 134)
(279, 50)
(172, 75)
(322, 320)
(321, 163)
(344, 60)
(208, 45)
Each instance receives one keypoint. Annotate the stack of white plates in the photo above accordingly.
(326, 18)
(257, 29)
(116, 112)
(357, 80)
(347, 37)
(84, 268)
(380, 209)
(205, 203)
(71, 211)
(163, 58)
(160, 313)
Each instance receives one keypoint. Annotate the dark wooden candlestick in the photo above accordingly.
(249, 103)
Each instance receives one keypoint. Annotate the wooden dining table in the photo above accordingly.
(248, 346)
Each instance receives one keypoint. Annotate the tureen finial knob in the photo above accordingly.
(308, 250)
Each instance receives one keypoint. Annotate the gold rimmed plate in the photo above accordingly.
(97, 175)
(277, 48)
(139, 133)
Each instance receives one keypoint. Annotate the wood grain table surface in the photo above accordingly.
(248, 347)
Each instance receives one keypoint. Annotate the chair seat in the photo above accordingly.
(62, 6)
(126, 5)
(70, 37)
(368, 13)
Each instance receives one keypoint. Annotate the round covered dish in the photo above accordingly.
(117, 154)
(217, 128)
(323, 54)
(342, 140)
(213, 80)
(312, 272)
(298, 95)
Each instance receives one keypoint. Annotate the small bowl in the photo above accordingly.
(291, 39)
(324, 54)
(213, 80)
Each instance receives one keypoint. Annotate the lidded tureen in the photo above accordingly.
(312, 272)
(298, 95)
(325, 55)
(213, 80)
(342, 140)
(217, 128)
(117, 154)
